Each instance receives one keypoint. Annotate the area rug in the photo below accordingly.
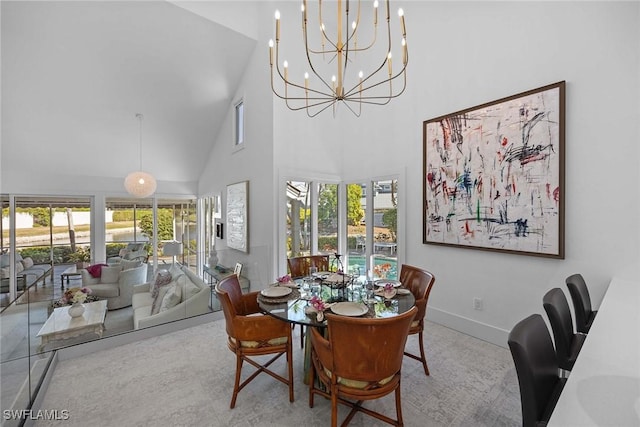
(186, 378)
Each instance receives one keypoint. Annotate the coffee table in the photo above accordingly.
(60, 326)
(72, 271)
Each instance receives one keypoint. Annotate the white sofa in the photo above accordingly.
(27, 272)
(116, 283)
(193, 292)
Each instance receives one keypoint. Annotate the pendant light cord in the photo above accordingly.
(140, 117)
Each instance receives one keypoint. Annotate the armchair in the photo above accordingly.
(114, 284)
(133, 252)
(252, 335)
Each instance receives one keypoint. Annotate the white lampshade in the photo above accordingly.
(140, 184)
(172, 248)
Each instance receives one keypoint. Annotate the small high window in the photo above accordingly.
(239, 124)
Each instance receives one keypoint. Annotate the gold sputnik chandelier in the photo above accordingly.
(335, 53)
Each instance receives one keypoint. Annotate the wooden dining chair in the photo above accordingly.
(251, 335)
(419, 282)
(360, 360)
(299, 266)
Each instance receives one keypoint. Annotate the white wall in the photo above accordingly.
(253, 163)
(463, 54)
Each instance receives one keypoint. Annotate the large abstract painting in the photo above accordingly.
(494, 175)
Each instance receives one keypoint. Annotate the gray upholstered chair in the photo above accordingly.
(537, 369)
(568, 343)
(581, 303)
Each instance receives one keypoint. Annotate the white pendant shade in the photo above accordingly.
(140, 184)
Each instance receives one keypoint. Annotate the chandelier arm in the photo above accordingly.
(367, 99)
(322, 30)
(355, 89)
(306, 44)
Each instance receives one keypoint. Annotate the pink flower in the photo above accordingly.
(318, 304)
(284, 279)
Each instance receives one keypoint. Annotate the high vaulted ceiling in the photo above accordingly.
(74, 75)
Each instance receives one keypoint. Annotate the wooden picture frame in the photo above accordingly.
(238, 216)
(493, 175)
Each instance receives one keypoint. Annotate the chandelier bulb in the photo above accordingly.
(400, 12)
(375, 4)
(277, 15)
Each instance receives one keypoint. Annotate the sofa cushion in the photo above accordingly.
(5, 260)
(140, 313)
(19, 267)
(105, 291)
(175, 271)
(126, 264)
(157, 301)
(27, 262)
(189, 288)
(171, 298)
(163, 278)
(142, 299)
(110, 274)
(5, 272)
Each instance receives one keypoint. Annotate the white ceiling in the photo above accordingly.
(74, 75)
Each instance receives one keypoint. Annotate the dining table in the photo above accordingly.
(293, 302)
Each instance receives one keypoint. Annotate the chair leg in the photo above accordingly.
(422, 355)
(236, 386)
(301, 336)
(399, 406)
(334, 408)
(290, 363)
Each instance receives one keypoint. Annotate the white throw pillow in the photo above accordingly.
(19, 267)
(157, 301)
(27, 262)
(110, 274)
(189, 288)
(171, 298)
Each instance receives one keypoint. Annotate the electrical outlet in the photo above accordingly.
(477, 303)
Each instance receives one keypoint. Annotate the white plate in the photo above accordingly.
(349, 309)
(276, 291)
(322, 274)
(382, 282)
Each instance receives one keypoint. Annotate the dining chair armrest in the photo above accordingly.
(322, 347)
(259, 328)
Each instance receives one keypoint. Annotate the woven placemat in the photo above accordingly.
(295, 294)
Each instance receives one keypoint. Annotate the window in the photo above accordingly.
(238, 128)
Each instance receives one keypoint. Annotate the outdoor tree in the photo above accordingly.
(328, 204)
(165, 224)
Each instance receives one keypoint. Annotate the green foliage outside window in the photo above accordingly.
(328, 204)
(165, 224)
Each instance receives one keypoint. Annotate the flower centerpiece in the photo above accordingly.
(75, 296)
(318, 306)
(285, 279)
(381, 270)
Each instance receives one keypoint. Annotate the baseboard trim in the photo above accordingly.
(468, 326)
